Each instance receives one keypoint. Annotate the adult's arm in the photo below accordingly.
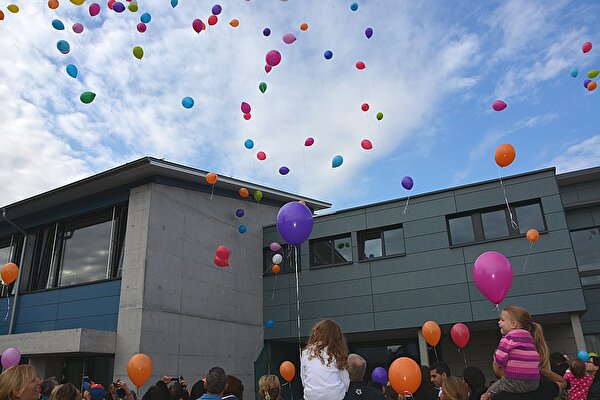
(559, 380)
(594, 392)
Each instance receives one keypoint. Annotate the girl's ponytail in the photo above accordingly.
(541, 347)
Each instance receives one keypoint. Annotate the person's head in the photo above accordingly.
(97, 392)
(514, 317)
(269, 387)
(592, 366)
(234, 387)
(198, 390)
(176, 391)
(20, 383)
(454, 388)
(216, 380)
(327, 334)
(475, 379)
(48, 385)
(65, 392)
(357, 366)
(439, 372)
(157, 392)
(577, 368)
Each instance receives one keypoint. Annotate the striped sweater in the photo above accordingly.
(518, 356)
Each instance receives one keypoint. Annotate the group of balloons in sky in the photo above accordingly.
(589, 83)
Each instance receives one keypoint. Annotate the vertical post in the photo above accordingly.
(423, 349)
(578, 332)
(14, 305)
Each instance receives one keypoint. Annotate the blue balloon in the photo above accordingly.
(354, 6)
(328, 54)
(187, 102)
(407, 182)
(242, 229)
(369, 33)
(248, 143)
(284, 170)
(574, 72)
(58, 25)
(118, 7)
(174, 3)
(239, 213)
(269, 324)
(145, 18)
(266, 31)
(63, 46)
(583, 355)
(216, 10)
(72, 71)
(337, 161)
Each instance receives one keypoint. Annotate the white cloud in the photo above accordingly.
(584, 154)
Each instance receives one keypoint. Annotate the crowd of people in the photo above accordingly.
(522, 363)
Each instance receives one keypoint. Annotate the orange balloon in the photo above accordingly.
(244, 192)
(532, 235)
(431, 332)
(592, 85)
(212, 178)
(234, 22)
(304, 26)
(505, 154)
(287, 370)
(404, 375)
(53, 4)
(9, 273)
(1, 15)
(302, 202)
(276, 269)
(139, 369)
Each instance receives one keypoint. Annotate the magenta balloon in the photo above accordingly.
(273, 58)
(197, 25)
(288, 38)
(267, 68)
(493, 276)
(498, 105)
(77, 27)
(309, 142)
(10, 357)
(141, 27)
(366, 144)
(275, 246)
(94, 9)
(460, 335)
(245, 107)
(294, 222)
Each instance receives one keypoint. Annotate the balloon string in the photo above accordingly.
(7, 303)
(528, 253)
(435, 352)
(298, 302)
(406, 206)
(212, 191)
(497, 307)
(512, 220)
(274, 287)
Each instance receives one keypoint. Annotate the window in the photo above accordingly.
(287, 265)
(586, 243)
(495, 223)
(383, 242)
(331, 251)
(10, 251)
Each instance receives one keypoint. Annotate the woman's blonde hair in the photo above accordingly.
(523, 318)
(16, 377)
(327, 334)
(66, 391)
(269, 387)
(454, 388)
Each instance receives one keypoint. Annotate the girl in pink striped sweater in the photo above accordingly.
(522, 353)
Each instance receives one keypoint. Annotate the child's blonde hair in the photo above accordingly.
(269, 387)
(327, 335)
(524, 320)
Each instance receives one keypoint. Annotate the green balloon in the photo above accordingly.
(138, 52)
(257, 195)
(262, 87)
(133, 7)
(379, 116)
(87, 97)
(593, 73)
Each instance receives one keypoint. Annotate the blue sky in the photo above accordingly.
(433, 68)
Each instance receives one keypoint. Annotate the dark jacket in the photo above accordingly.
(362, 391)
(547, 390)
(594, 392)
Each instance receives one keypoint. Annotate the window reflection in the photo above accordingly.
(530, 217)
(494, 224)
(461, 230)
(586, 244)
(331, 251)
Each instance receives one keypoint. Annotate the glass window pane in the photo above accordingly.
(321, 254)
(342, 250)
(590, 280)
(372, 248)
(394, 241)
(586, 244)
(461, 230)
(43, 257)
(530, 217)
(5, 251)
(494, 224)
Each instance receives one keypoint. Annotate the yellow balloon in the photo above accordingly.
(13, 8)
(78, 2)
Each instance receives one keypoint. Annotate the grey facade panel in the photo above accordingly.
(427, 260)
(419, 279)
(416, 298)
(413, 317)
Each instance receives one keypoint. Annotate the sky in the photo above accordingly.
(433, 69)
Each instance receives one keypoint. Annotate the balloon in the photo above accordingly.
(141, 27)
(243, 192)
(360, 65)
(58, 25)
(223, 252)
(77, 27)
(11, 357)
(287, 370)
(197, 25)
(266, 31)
(234, 22)
(247, 116)
(1, 15)
(267, 68)
(78, 2)
(242, 229)
(581, 354)
(354, 6)
(111, 3)
(364, 107)
(138, 52)
(275, 246)
(245, 107)
(337, 161)
(407, 182)
(276, 268)
(63, 46)
(380, 375)
(498, 105)
(261, 155)
(211, 178)
(118, 7)
(212, 20)
(72, 71)
(592, 85)
(431, 332)
(288, 38)
(269, 324)
(309, 142)
(94, 9)
(139, 369)
(379, 116)
(216, 10)
(145, 18)
(294, 222)
(366, 144)
(133, 7)
(328, 54)
(9, 273)
(258, 195)
(587, 46)
(174, 3)
(369, 33)
(303, 26)
(219, 262)
(586, 83)
(460, 335)
(187, 102)
(53, 4)
(404, 375)
(87, 97)
(574, 72)
(493, 276)
(277, 259)
(239, 213)
(13, 8)
(532, 235)
(505, 154)
(284, 170)
(273, 58)
(248, 143)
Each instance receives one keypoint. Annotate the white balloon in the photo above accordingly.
(277, 259)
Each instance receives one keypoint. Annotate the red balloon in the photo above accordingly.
(261, 155)
(360, 65)
(587, 46)
(366, 144)
(197, 25)
(247, 116)
(110, 3)
(212, 20)
(219, 262)
(460, 335)
(223, 252)
(364, 107)
(267, 68)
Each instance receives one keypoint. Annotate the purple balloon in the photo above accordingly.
(493, 276)
(239, 213)
(118, 7)
(288, 38)
(266, 31)
(586, 83)
(407, 182)
(380, 375)
(10, 357)
(294, 222)
(216, 10)
(275, 246)
(368, 34)
(284, 170)
(77, 27)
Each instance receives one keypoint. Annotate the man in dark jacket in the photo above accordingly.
(357, 366)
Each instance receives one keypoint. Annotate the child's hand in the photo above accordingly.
(486, 396)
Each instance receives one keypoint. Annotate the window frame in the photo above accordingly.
(15, 244)
(586, 270)
(362, 235)
(332, 238)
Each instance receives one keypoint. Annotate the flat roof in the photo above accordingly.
(582, 175)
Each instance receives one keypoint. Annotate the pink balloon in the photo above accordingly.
(498, 105)
(10, 357)
(460, 335)
(273, 58)
(493, 276)
(587, 46)
(245, 107)
(77, 27)
(267, 68)
(275, 246)
(288, 38)
(309, 142)
(141, 27)
(261, 155)
(366, 144)
(94, 9)
(197, 25)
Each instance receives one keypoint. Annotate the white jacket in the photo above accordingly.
(320, 381)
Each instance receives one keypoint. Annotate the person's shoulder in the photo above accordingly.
(547, 390)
